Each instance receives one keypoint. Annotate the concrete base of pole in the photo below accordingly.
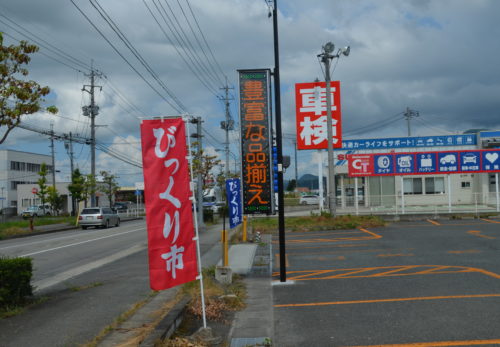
(206, 336)
(224, 274)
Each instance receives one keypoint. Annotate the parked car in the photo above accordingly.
(37, 211)
(309, 200)
(98, 217)
(120, 206)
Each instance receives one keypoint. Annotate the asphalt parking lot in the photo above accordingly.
(426, 283)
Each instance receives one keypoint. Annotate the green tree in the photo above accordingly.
(77, 186)
(291, 185)
(18, 96)
(42, 185)
(110, 186)
(203, 164)
(54, 199)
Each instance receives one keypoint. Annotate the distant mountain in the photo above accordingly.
(310, 181)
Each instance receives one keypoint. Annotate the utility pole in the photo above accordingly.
(199, 178)
(296, 167)
(409, 114)
(227, 125)
(69, 149)
(92, 111)
(53, 155)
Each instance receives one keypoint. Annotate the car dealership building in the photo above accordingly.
(432, 173)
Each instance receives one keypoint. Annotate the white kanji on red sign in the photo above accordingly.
(311, 121)
(314, 100)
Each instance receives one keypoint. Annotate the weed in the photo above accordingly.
(88, 286)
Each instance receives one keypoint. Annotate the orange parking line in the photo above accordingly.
(376, 301)
(490, 221)
(376, 236)
(441, 343)
(384, 271)
(478, 233)
(433, 222)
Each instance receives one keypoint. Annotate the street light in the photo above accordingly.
(326, 57)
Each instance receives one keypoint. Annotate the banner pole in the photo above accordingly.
(197, 237)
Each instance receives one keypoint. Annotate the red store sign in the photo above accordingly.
(171, 248)
(311, 122)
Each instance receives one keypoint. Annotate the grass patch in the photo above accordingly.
(123, 317)
(21, 227)
(88, 286)
(317, 222)
(219, 297)
(15, 310)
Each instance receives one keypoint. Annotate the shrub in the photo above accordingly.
(15, 279)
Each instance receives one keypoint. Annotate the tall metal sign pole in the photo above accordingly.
(325, 59)
(281, 210)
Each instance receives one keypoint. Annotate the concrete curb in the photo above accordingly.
(168, 324)
(54, 229)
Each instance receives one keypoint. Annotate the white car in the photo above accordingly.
(309, 200)
(37, 211)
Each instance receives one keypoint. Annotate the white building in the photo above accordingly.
(17, 168)
(428, 190)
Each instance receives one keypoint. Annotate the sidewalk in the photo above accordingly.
(250, 326)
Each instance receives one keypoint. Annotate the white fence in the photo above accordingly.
(412, 204)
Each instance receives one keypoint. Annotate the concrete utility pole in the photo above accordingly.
(227, 125)
(69, 149)
(199, 178)
(53, 155)
(296, 168)
(92, 111)
(409, 114)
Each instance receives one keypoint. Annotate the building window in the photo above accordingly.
(434, 185)
(466, 184)
(26, 203)
(412, 186)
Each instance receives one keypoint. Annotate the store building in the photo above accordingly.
(417, 190)
(17, 168)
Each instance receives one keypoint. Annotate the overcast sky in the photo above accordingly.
(438, 57)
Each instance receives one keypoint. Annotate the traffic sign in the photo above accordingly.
(34, 190)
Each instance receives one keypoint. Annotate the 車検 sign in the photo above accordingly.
(255, 140)
(311, 122)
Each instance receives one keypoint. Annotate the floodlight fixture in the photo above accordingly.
(329, 47)
(346, 50)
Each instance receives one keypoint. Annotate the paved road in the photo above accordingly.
(86, 279)
(436, 283)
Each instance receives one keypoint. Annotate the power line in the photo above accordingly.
(186, 41)
(187, 53)
(104, 15)
(125, 59)
(198, 41)
(36, 39)
(204, 39)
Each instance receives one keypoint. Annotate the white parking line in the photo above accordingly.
(79, 243)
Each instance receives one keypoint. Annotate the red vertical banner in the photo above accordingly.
(171, 248)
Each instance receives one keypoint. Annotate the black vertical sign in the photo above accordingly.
(255, 141)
